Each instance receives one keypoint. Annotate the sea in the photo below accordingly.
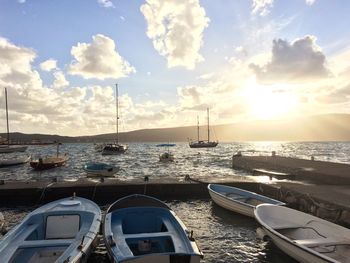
(223, 236)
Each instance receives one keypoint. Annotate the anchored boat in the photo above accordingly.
(201, 143)
(62, 231)
(238, 200)
(14, 161)
(100, 169)
(304, 237)
(139, 228)
(115, 148)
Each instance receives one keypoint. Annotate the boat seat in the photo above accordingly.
(315, 242)
(46, 243)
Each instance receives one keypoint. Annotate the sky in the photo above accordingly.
(246, 60)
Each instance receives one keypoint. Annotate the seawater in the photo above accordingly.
(223, 236)
(142, 159)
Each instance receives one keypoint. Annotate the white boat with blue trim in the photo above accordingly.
(139, 228)
(100, 169)
(62, 231)
(238, 200)
(304, 237)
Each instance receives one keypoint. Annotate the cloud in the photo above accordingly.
(60, 80)
(300, 60)
(310, 2)
(262, 7)
(48, 65)
(99, 60)
(21, 1)
(176, 29)
(106, 3)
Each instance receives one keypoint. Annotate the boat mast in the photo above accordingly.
(117, 117)
(197, 128)
(208, 124)
(7, 119)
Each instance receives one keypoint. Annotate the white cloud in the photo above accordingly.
(262, 7)
(60, 80)
(298, 61)
(99, 60)
(176, 29)
(310, 2)
(48, 65)
(21, 1)
(106, 3)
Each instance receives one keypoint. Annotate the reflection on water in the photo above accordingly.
(223, 236)
(143, 159)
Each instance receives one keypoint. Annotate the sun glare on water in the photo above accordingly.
(269, 103)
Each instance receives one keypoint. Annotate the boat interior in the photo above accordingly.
(156, 234)
(47, 236)
(313, 236)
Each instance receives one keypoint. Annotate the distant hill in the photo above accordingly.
(330, 127)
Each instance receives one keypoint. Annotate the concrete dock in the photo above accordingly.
(296, 169)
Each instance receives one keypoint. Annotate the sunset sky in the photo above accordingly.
(244, 59)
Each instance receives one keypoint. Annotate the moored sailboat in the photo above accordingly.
(10, 148)
(115, 148)
(201, 143)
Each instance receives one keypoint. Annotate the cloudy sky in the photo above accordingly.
(244, 59)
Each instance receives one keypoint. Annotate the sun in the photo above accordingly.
(267, 102)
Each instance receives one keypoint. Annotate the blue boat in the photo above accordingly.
(166, 145)
(100, 169)
(62, 231)
(141, 229)
(238, 200)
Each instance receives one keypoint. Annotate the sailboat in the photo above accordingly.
(201, 143)
(115, 148)
(10, 148)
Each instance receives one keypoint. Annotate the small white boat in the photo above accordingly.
(238, 200)
(304, 237)
(100, 169)
(12, 148)
(14, 161)
(62, 231)
(142, 229)
(166, 157)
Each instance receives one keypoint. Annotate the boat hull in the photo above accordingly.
(12, 149)
(203, 144)
(12, 162)
(100, 169)
(238, 200)
(304, 237)
(114, 149)
(49, 163)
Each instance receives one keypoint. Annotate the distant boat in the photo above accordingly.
(62, 231)
(10, 148)
(14, 161)
(166, 157)
(115, 148)
(100, 169)
(166, 145)
(304, 237)
(238, 200)
(99, 146)
(201, 143)
(139, 228)
(49, 162)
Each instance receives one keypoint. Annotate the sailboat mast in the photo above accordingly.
(197, 128)
(7, 119)
(117, 117)
(208, 125)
